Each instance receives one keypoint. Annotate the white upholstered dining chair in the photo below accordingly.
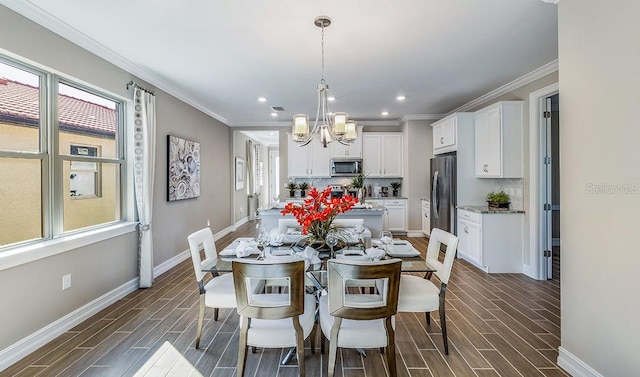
(420, 294)
(217, 292)
(273, 320)
(355, 320)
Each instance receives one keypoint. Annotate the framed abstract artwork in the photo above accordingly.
(184, 168)
(239, 173)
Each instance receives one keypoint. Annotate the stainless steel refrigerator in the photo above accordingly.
(443, 192)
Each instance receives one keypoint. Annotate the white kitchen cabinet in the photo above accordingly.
(312, 160)
(444, 135)
(469, 231)
(498, 140)
(426, 219)
(382, 154)
(352, 150)
(491, 241)
(397, 214)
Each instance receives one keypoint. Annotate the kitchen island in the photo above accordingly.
(372, 216)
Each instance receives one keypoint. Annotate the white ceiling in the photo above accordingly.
(220, 56)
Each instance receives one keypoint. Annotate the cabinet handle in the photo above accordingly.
(442, 140)
(466, 229)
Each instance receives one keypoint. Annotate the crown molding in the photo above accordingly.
(509, 87)
(57, 26)
(551, 1)
(409, 117)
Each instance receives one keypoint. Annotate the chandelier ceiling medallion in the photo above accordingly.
(328, 126)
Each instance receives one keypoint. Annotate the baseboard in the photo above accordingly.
(415, 233)
(24, 347)
(170, 263)
(242, 221)
(574, 366)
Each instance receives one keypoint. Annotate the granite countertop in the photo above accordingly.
(372, 208)
(383, 198)
(485, 209)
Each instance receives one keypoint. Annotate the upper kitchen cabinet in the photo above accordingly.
(312, 160)
(444, 135)
(499, 140)
(352, 150)
(382, 154)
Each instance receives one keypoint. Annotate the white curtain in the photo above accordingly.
(144, 167)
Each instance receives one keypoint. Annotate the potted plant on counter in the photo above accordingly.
(292, 189)
(396, 187)
(358, 184)
(303, 189)
(497, 200)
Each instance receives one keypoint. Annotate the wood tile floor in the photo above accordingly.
(499, 325)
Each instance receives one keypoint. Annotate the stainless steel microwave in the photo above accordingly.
(344, 167)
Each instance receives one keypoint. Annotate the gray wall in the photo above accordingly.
(30, 294)
(418, 139)
(599, 135)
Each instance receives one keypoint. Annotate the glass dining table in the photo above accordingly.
(316, 273)
(225, 259)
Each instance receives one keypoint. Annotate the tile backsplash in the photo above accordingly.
(321, 183)
(514, 187)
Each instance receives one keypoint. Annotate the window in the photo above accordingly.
(63, 170)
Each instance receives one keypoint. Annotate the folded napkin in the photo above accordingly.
(375, 253)
(244, 248)
(310, 256)
(275, 238)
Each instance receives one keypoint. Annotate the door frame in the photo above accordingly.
(536, 264)
(274, 179)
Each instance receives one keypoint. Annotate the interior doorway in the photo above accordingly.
(550, 179)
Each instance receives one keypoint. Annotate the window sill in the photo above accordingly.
(33, 252)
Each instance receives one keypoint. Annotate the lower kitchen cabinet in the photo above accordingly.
(395, 217)
(491, 241)
(426, 219)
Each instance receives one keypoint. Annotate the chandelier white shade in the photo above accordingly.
(327, 126)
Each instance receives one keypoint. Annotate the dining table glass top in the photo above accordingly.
(225, 258)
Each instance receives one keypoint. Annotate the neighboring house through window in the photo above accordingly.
(51, 160)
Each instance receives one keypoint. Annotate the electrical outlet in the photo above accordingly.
(208, 222)
(241, 210)
(66, 282)
(518, 192)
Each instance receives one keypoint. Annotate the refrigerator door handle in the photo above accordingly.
(434, 195)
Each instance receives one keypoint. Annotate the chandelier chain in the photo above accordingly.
(322, 46)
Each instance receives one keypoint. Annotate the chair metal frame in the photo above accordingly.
(339, 273)
(244, 271)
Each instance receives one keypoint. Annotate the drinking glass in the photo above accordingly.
(359, 229)
(386, 237)
(263, 241)
(332, 241)
(260, 228)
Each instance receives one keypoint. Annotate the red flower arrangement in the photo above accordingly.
(317, 212)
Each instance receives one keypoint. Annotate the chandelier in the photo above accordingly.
(328, 126)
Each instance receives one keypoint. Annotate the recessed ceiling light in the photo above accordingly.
(274, 114)
(401, 98)
(331, 99)
(262, 99)
(385, 113)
